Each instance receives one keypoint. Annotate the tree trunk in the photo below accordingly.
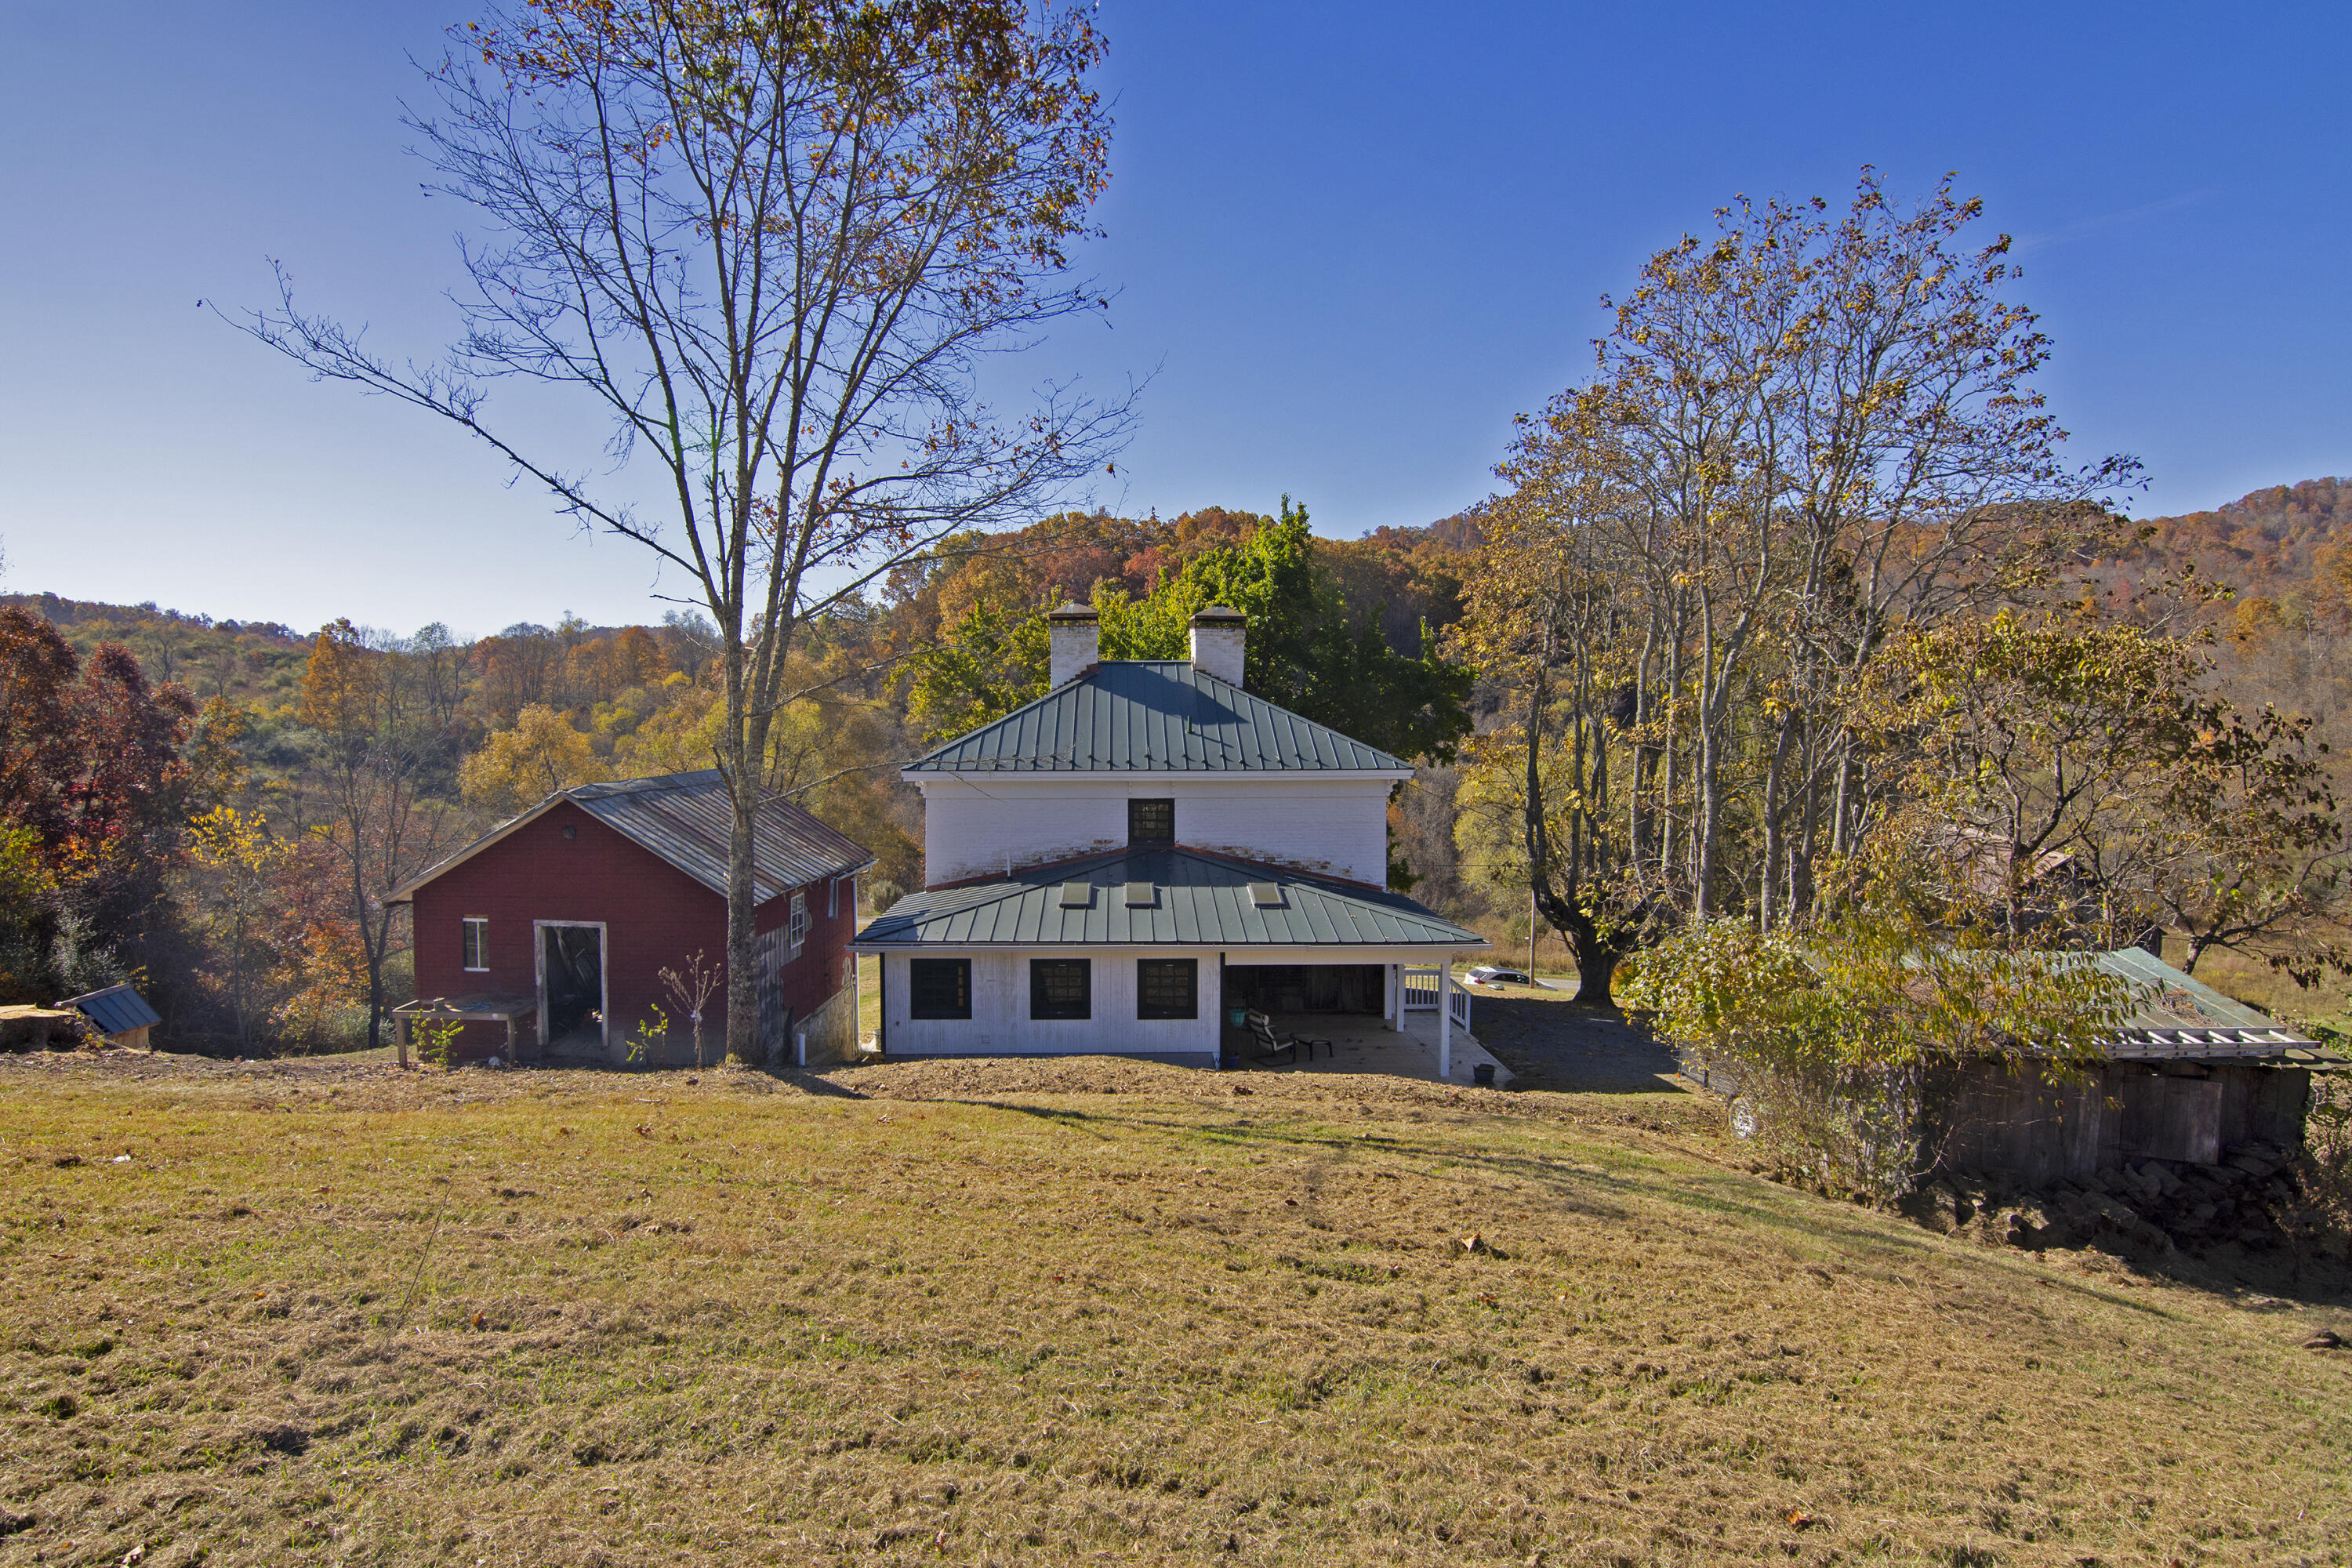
(742, 970)
(1773, 835)
(1596, 968)
(742, 765)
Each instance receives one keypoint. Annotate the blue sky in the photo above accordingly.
(1348, 243)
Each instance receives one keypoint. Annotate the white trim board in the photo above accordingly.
(603, 974)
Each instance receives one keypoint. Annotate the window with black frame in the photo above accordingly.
(1168, 988)
(1150, 822)
(939, 988)
(1061, 988)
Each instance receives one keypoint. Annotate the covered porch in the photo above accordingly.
(1373, 1044)
(1400, 1019)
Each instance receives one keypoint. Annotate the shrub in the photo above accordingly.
(1828, 1035)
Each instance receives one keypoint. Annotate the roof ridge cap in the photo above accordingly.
(934, 758)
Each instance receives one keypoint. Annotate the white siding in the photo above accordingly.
(1337, 827)
(999, 1024)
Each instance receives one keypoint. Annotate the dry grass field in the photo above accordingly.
(327, 1313)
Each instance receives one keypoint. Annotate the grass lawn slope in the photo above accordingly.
(1068, 1312)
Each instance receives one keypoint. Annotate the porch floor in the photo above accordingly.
(1364, 1044)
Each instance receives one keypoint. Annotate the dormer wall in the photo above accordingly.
(982, 827)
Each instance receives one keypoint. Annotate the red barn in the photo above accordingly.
(554, 929)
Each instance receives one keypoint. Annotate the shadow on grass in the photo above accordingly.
(1571, 1048)
(1804, 1222)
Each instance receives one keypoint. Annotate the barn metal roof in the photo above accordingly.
(115, 1009)
(1155, 896)
(2180, 1017)
(685, 819)
(1153, 716)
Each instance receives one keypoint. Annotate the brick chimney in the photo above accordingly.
(1219, 634)
(1074, 642)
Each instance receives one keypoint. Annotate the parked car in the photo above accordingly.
(1492, 975)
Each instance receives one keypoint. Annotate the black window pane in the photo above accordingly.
(1060, 988)
(1151, 822)
(1168, 988)
(939, 988)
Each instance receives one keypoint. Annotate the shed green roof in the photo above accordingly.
(1195, 900)
(1153, 716)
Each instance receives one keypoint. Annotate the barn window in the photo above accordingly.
(1168, 988)
(1150, 822)
(1061, 988)
(475, 945)
(796, 932)
(939, 988)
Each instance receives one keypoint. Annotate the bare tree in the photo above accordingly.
(360, 797)
(773, 243)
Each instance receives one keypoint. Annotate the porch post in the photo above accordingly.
(1445, 1018)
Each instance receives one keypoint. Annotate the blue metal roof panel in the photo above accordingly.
(115, 1010)
(1151, 716)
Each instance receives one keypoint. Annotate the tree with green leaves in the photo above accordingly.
(1307, 649)
(1803, 434)
(2080, 782)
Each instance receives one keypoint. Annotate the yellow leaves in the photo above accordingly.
(224, 838)
(516, 768)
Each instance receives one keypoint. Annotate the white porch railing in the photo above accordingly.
(1433, 991)
(1419, 989)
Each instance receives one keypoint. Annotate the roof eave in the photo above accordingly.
(916, 775)
(406, 891)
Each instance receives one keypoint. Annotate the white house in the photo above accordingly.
(1113, 867)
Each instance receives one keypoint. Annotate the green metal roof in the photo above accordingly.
(1195, 900)
(2178, 1016)
(1152, 716)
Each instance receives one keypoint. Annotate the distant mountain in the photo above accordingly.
(2277, 543)
(65, 613)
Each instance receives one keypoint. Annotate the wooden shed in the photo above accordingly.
(2189, 1077)
(117, 1012)
(548, 936)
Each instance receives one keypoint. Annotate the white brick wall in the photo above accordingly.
(1337, 827)
(999, 1024)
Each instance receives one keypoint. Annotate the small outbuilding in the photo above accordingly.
(548, 938)
(117, 1012)
(2188, 1078)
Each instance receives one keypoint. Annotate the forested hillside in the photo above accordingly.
(245, 939)
(232, 856)
(2273, 592)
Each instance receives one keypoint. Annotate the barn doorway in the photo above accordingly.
(571, 984)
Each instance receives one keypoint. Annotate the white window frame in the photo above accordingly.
(796, 925)
(478, 928)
